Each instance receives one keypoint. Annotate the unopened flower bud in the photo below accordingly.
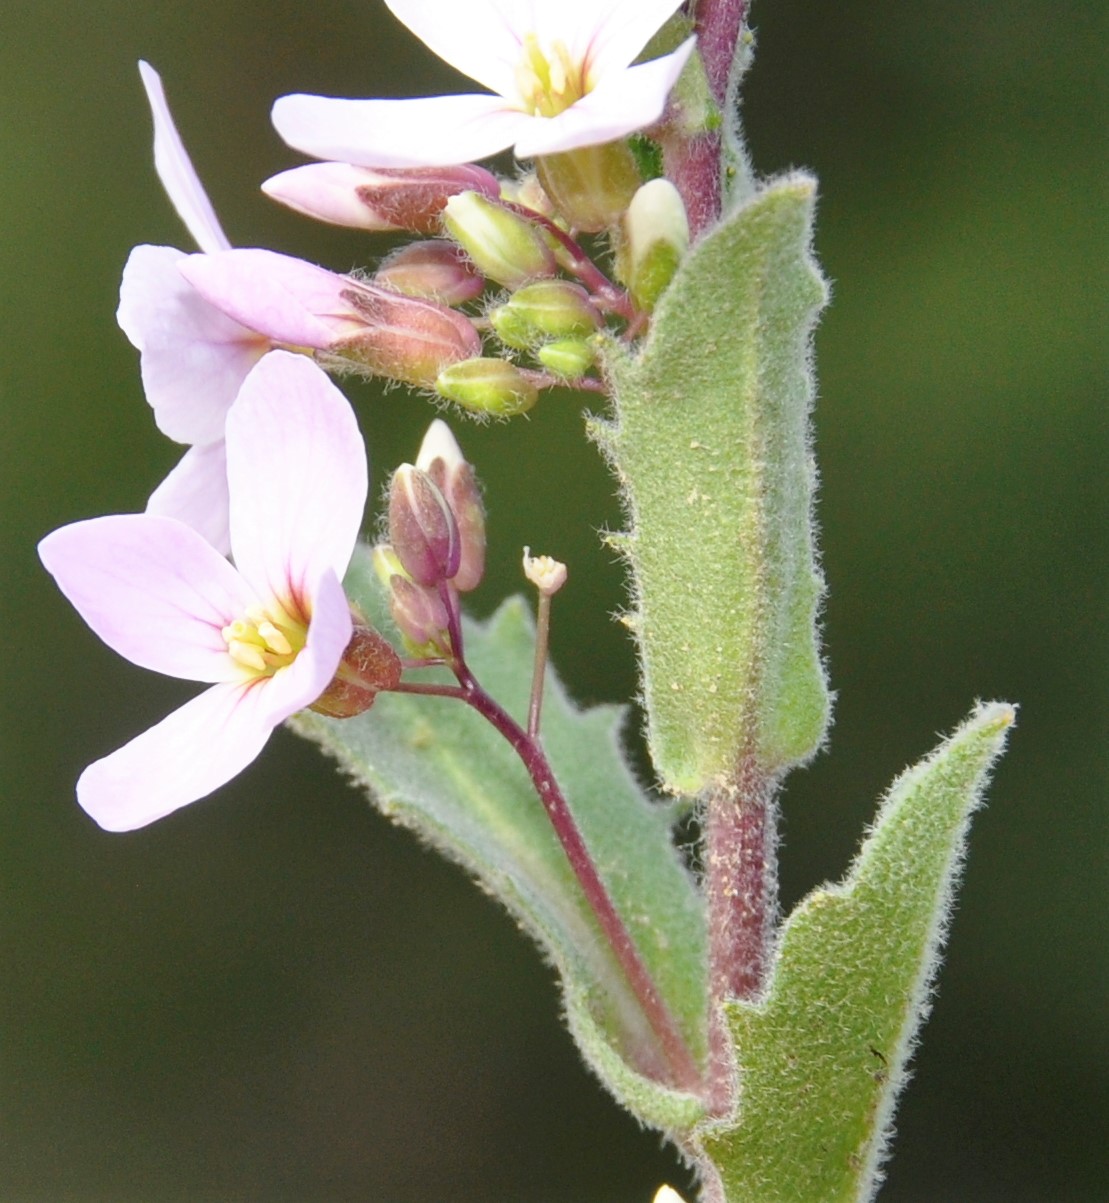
(543, 310)
(406, 338)
(377, 198)
(437, 271)
(656, 237)
(420, 615)
(422, 528)
(546, 574)
(505, 247)
(569, 358)
(369, 666)
(488, 386)
(591, 186)
(441, 458)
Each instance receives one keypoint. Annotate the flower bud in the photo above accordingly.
(420, 615)
(378, 198)
(369, 666)
(505, 247)
(406, 338)
(656, 236)
(422, 528)
(441, 458)
(488, 386)
(569, 358)
(436, 271)
(592, 186)
(545, 309)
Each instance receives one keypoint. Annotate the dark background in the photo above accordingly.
(274, 995)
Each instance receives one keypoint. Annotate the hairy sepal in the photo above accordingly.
(433, 765)
(823, 1057)
(709, 441)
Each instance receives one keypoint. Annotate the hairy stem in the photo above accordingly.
(741, 884)
(693, 162)
(684, 1070)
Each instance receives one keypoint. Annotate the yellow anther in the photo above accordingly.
(259, 644)
(275, 639)
(246, 654)
(549, 81)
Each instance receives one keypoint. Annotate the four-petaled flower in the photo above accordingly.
(560, 72)
(268, 633)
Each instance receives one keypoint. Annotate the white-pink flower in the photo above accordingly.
(267, 634)
(193, 357)
(560, 73)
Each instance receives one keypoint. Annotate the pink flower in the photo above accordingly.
(560, 72)
(266, 634)
(300, 305)
(193, 357)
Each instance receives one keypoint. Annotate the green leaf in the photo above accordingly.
(710, 444)
(432, 764)
(823, 1057)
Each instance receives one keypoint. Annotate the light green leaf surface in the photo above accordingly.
(434, 765)
(823, 1057)
(709, 441)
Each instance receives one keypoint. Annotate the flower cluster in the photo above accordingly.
(232, 575)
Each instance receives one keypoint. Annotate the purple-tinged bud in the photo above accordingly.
(406, 338)
(543, 310)
(422, 528)
(504, 246)
(437, 271)
(488, 386)
(377, 198)
(592, 186)
(369, 666)
(655, 238)
(569, 358)
(441, 458)
(420, 615)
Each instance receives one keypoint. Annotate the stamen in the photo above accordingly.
(262, 645)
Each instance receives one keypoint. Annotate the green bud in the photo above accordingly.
(655, 237)
(590, 187)
(543, 310)
(569, 358)
(503, 246)
(488, 386)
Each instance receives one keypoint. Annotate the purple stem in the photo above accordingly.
(686, 1075)
(693, 164)
(741, 883)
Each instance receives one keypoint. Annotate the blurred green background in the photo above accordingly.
(274, 995)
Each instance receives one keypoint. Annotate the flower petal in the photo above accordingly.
(183, 758)
(194, 357)
(619, 29)
(428, 131)
(619, 105)
(195, 493)
(481, 38)
(329, 632)
(175, 170)
(328, 192)
(153, 589)
(296, 468)
(284, 298)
